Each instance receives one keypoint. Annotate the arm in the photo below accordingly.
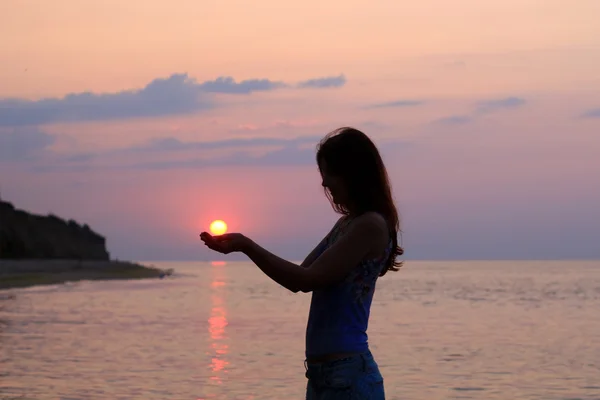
(367, 234)
(259, 255)
(281, 271)
(314, 254)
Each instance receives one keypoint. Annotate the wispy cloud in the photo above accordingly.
(177, 94)
(396, 104)
(246, 128)
(173, 144)
(594, 113)
(454, 120)
(229, 85)
(174, 95)
(481, 108)
(276, 125)
(173, 153)
(325, 82)
(507, 103)
(21, 144)
(285, 156)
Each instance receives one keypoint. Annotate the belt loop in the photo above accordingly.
(364, 361)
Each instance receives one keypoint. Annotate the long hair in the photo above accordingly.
(352, 157)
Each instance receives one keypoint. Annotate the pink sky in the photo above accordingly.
(148, 119)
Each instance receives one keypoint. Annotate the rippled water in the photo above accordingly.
(439, 330)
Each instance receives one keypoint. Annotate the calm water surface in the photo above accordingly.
(439, 330)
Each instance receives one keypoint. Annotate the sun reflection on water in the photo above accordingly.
(217, 322)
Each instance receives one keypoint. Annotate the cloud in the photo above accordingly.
(291, 152)
(277, 125)
(483, 107)
(594, 113)
(325, 82)
(169, 144)
(246, 128)
(300, 123)
(499, 104)
(395, 104)
(229, 85)
(172, 153)
(454, 120)
(177, 94)
(21, 144)
(287, 155)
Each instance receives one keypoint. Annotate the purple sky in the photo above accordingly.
(487, 115)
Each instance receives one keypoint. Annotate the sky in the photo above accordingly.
(149, 119)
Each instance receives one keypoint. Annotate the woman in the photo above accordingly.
(342, 270)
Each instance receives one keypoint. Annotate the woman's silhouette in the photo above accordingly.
(342, 270)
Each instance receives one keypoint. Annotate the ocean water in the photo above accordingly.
(439, 330)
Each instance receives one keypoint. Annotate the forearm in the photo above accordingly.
(287, 274)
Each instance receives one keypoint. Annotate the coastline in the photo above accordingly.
(26, 273)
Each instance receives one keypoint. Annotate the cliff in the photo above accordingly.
(28, 236)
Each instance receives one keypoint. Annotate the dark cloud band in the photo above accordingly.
(177, 94)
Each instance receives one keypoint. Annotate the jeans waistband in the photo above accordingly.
(317, 367)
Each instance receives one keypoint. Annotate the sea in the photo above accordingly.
(223, 330)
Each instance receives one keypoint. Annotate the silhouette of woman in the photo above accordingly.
(342, 270)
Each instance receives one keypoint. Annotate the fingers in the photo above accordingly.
(217, 243)
(212, 243)
(208, 238)
(205, 236)
(215, 247)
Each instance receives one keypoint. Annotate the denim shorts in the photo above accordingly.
(353, 378)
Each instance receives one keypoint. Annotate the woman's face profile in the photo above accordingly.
(334, 184)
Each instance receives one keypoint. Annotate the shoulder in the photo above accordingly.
(372, 220)
(371, 225)
(372, 228)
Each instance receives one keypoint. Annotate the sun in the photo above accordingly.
(218, 227)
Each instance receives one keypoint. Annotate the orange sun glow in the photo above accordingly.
(218, 227)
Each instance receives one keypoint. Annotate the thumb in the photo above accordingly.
(205, 235)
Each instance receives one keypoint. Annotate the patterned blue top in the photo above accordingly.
(339, 314)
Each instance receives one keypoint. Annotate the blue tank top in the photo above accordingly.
(339, 314)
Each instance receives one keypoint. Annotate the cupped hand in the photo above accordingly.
(226, 243)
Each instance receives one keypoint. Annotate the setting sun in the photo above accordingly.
(218, 227)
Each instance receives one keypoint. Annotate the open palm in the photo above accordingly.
(226, 243)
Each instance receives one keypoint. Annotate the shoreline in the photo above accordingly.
(26, 273)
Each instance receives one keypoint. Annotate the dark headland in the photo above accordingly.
(38, 250)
